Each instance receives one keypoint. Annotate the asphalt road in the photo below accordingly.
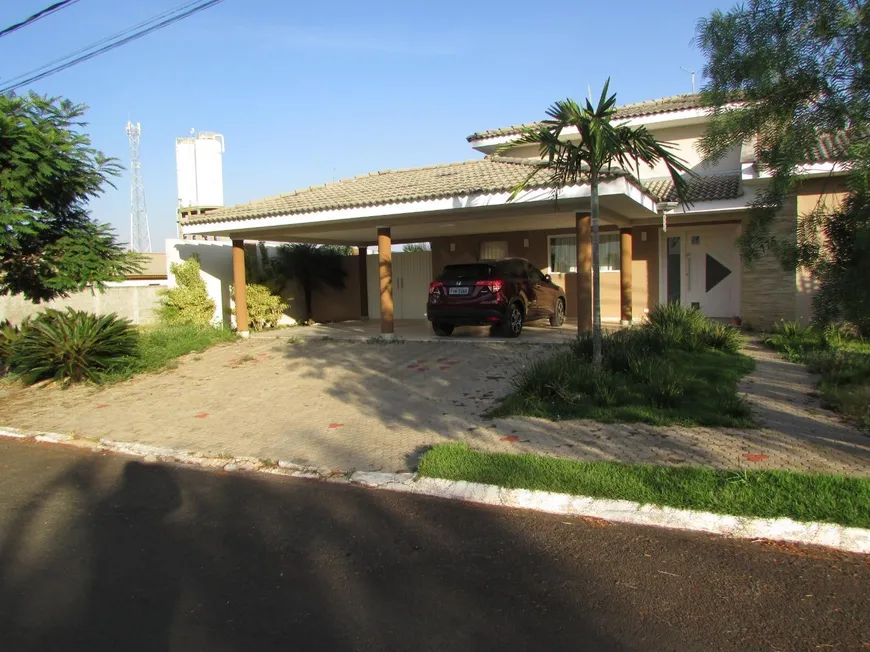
(100, 552)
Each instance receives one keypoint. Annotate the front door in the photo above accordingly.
(701, 268)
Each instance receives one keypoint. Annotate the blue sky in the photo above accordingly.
(305, 92)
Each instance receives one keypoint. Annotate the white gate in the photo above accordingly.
(412, 273)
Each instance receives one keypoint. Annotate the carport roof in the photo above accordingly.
(488, 175)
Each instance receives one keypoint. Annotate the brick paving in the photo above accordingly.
(356, 405)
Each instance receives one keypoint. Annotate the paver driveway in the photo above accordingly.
(357, 405)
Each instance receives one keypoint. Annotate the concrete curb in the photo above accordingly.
(154, 454)
(848, 539)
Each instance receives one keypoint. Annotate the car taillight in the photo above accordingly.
(493, 286)
(435, 287)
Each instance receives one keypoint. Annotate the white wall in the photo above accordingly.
(216, 269)
(685, 140)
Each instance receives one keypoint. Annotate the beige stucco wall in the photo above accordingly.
(827, 194)
(644, 267)
(215, 258)
(685, 140)
(133, 302)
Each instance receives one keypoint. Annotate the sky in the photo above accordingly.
(308, 92)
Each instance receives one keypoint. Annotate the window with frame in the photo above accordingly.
(563, 253)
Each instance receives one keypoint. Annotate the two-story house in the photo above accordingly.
(652, 250)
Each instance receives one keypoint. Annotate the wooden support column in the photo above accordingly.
(241, 290)
(385, 274)
(584, 272)
(625, 258)
(363, 282)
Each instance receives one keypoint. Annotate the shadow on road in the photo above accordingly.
(142, 557)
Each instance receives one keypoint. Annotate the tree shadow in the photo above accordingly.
(244, 563)
(117, 576)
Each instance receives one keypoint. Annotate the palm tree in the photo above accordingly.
(602, 147)
(312, 267)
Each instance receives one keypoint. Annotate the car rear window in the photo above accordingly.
(469, 271)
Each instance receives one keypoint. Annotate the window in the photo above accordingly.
(563, 253)
(493, 250)
(514, 268)
(535, 274)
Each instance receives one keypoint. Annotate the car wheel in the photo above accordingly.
(512, 326)
(558, 316)
(442, 330)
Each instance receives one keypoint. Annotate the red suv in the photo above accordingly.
(500, 293)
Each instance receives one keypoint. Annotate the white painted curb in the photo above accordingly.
(849, 539)
(154, 454)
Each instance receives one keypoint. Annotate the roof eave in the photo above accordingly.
(623, 185)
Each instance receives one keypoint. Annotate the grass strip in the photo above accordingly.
(765, 494)
(160, 347)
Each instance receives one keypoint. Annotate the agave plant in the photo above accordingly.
(72, 346)
(8, 337)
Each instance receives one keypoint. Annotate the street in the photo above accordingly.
(103, 552)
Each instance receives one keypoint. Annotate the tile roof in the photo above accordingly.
(828, 148)
(636, 110)
(488, 175)
(712, 188)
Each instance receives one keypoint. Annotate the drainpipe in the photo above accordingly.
(665, 208)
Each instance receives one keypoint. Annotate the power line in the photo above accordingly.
(108, 39)
(111, 46)
(57, 6)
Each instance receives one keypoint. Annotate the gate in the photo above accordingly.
(412, 273)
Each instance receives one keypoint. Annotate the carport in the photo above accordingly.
(420, 204)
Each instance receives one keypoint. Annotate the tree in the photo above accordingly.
(799, 70)
(415, 247)
(312, 267)
(49, 246)
(602, 146)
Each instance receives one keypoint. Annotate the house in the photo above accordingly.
(652, 250)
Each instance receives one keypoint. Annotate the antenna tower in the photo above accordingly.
(140, 234)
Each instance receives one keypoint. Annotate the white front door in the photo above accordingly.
(701, 268)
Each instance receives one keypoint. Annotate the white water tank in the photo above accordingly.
(199, 166)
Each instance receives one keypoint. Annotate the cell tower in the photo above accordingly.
(140, 234)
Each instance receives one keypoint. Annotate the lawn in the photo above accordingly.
(678, 368)
(160, 346)
(842, 361)
(766, 494)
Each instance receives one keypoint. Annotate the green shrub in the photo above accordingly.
(264, 308)
(723, 337)
(188, 302)
(9, 336)
(674, 326)
(72, 346)
(538, 376)
(668, 387)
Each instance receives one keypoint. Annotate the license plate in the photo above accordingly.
(457, 291)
